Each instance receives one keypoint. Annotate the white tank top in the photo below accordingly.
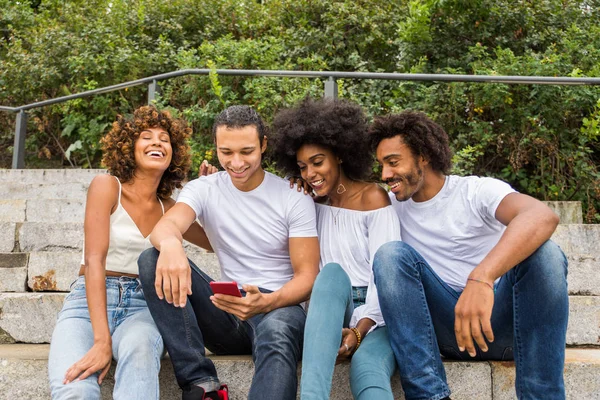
(125, 241)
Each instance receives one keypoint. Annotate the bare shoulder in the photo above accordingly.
(105, 185)
(374, 197)
(103, 192)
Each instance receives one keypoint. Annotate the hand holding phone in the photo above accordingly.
(228, 288)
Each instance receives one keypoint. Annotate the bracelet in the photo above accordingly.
(484, 282)
(358, 337)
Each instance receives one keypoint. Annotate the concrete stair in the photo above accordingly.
(41, 237)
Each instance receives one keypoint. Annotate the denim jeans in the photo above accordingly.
(331, 305)
(136, 343)
(529, 320)
(274, 339)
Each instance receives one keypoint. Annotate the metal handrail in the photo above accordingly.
(330, 89)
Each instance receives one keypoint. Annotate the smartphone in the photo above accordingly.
(229, 288)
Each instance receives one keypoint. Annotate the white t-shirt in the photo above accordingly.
(250, 231)
(457, 228)
(351, 238)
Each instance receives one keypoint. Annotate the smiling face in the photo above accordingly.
(319, 167)
(400, 169)
(153, 149)
(240, 152)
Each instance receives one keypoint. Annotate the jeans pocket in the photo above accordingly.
(77, 292)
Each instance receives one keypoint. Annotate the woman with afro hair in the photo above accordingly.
(324, 142)
(105, 315)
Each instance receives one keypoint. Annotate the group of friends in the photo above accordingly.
(331, 267)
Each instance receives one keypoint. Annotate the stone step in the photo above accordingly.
(23, 374)
(30, 317)
(581, 239)
(31, 191)
(574, 239)
(45, 176)
(55, 270)
(568, 211)
(42, 210)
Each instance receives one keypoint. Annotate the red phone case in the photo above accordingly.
(229, 288)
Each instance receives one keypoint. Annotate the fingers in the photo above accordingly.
(250, 289)
(73, 372)
(158, 285)
(232, 305)
(477, 335)
(468, 332)
(103, 374)
(206, 169)
(166, 288)
(184, 286)
(462, 330)
(189, 288)
(486, 326)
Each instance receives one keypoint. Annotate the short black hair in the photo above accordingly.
(239, 117)
(423, 136)
(339, 125)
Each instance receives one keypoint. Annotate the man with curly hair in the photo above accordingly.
(475, 277)
(265, 237)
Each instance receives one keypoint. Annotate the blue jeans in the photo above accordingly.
(529, 320)
(274, 339)
(331, 305)
(136, 343)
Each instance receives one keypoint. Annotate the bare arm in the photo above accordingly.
(529, 223)
(102, 198)
(195, 233)
(173, 272)
(304, 255)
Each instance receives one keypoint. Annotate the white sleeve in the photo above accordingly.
(490, 192)
(194, 194)
(383, 227)
(302, 217)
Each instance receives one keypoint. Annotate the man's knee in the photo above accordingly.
(391, 258)
(548, 260)
(147, 265)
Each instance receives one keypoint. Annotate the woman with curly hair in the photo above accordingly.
(105, 315)
(325, 143)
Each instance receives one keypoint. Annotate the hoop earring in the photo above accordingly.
(341, 189)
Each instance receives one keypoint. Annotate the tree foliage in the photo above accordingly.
(543, 139)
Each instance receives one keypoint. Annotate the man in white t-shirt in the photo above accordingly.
(266, 240)
(476, 276)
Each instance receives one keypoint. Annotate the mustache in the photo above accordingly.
(393, 180)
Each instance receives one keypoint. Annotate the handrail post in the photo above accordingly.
(153, 89)
(18, 161)
(331, 89)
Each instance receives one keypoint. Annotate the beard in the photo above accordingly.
(411, 181)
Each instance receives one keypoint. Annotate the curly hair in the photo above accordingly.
(339, 125)
(118, 147)
(423, 136)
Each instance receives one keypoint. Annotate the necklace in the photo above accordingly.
(341, 190)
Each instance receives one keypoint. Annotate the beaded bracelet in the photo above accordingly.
(358, 337)
(480, 281)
